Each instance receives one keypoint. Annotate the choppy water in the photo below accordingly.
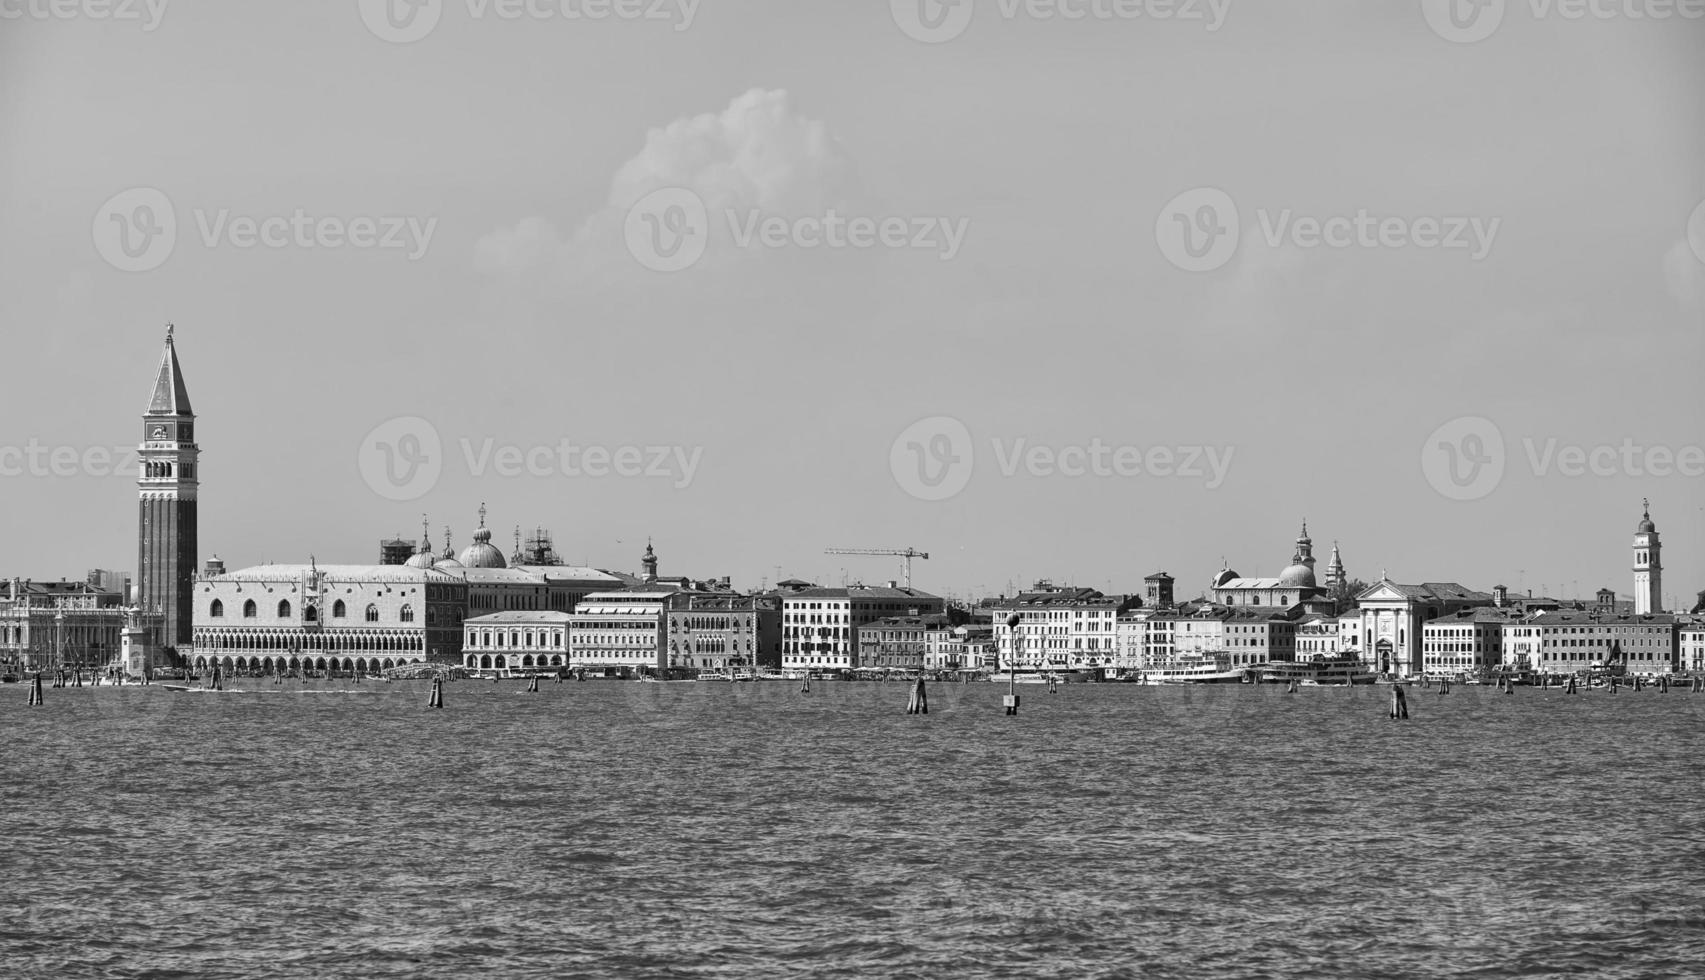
(610, 829)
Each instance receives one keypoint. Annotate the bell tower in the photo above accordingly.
(167, 482)
(1648, 566)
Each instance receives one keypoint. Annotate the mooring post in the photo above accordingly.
(805, 685)
(436, 699)
(1399, 703)
(918, 703)
(35, 691)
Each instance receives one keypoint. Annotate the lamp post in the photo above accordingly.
(1010, 702)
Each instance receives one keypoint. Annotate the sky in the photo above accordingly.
(1079, 298)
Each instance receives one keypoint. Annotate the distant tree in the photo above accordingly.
(1344, 596)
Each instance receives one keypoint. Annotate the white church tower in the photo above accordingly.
(1648, 566)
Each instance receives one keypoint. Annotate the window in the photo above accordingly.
(338, 610)
(217, 610)
(372, 613)
(249, 609)
(311, 614)
(408, 614)
(284, 609)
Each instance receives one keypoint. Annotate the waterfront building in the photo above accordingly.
(1071, 628)
(1318, 636)
(714, 631)
(1690, 645)
(1648, 565)
(54, 625)
(900, 642)
(332, 617)
(621, 632)
(820, 626)
(1392, 616)
(527, 640)
(1247, 636)
(1294, 585)
(1157, 591)
(168, 486)
(1567, 641)
(970, 646)
(1466, 641)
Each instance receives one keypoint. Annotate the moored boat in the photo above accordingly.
(1195, 668)
(1322, 672)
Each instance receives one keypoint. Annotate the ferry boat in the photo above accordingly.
(1325, 672)
(1199, 668)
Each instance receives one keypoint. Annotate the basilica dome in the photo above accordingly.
(421, 559)
(482, 553)
(1297, 576)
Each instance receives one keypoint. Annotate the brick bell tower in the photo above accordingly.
(167, 485)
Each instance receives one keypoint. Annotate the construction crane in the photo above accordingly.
(905, 555)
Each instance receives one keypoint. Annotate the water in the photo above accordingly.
(615, 829)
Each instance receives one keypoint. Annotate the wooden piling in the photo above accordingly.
(805, 685)
(1399, 703)
(918, 704)
(436, 700)
(1571, 689)
(35, 691)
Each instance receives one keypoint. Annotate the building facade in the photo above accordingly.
(509, 641)
(1468, 641)
(1571, 641)
(361, 618)
(724, 632)
(1061, 628)
(168, 485)
(1295, 584)
(60, 625)
(1390, 635)
(820, 626)
(1246, 636)
(621, 632)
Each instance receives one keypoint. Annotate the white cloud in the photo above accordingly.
(757, 154)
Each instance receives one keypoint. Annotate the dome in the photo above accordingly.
(1224, 576)
(482, 553)
(1298, 576)
(421, 559)
(445, 563)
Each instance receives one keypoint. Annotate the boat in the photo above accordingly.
(711, 675)
(1039, 677)
(1195, 668)
(1324, 672)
